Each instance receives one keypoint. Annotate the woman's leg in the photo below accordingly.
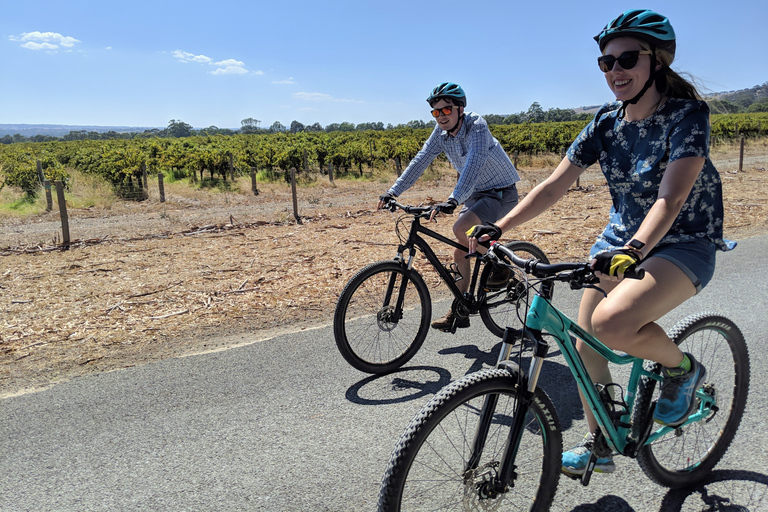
(625, 320)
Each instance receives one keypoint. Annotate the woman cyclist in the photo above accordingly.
(486, 183)
(667, 213)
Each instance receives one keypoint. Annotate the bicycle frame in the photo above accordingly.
(544, 317)
(416, 241)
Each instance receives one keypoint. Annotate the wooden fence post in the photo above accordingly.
(63, 213)
(304, 159)
(144, 175)
(295, 199)
(254, 189)
(741, 152)
(161, 186)
(40, 174)
(514, 161)
(231, 167)
(48, 198)
(330, 172)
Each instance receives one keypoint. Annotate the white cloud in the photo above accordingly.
(191, 57)
(284, 82)
(48, 41)
(229, 62)
(230, 70)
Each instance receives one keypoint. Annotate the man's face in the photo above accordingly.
(447, 121)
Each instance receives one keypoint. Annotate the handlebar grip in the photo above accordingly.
(635, 273)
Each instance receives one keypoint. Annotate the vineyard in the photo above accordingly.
(218, 157)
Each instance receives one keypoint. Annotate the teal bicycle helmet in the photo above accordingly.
(448, 90)
(642, 24)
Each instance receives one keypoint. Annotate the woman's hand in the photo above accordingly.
(482, 234)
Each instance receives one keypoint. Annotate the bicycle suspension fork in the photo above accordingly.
(525, 396)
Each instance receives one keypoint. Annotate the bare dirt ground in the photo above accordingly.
(151, 280)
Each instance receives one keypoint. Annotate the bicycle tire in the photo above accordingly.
(367, 335)
(499, 308)
(427, 466)
(687, 455)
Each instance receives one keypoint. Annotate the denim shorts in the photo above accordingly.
(695, 258)
(491, 205)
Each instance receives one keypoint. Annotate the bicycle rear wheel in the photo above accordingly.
(369, 332)
(499, 308)
(428, 469)
(686, 455)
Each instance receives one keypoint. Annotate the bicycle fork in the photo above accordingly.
(490, 485)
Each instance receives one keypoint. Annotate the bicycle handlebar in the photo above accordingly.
(418, 211)
(578, 274)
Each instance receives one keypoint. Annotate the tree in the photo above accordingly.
(249, 125)
(535, 113)
(277, 127)
(178, 129)
(296, 127)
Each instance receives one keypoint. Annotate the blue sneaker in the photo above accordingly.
(575, 460)
(676, 402)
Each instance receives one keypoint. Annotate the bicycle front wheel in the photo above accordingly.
(686, 455)
(499, 307)
(375, 331)
(433, 467)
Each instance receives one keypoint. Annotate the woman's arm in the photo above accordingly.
(676, 185)
(544, 195)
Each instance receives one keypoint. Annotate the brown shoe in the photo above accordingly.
(451, 321)
(498, 278)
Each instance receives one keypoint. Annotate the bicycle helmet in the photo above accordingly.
(448, 90)
(642, 24)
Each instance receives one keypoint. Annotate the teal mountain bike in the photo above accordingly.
(492, 439)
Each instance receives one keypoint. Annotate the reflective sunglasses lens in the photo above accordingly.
(447, 110)
(436, 113)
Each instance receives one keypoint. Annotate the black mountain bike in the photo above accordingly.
(384, 312)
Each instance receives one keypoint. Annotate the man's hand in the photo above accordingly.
(384, 200)
(482, 235)
(616, 263)
(447, 207)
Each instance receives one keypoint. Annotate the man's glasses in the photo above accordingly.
(627, 60)
(445, 110)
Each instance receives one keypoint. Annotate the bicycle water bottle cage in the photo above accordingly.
(616, 407)
(453, 270)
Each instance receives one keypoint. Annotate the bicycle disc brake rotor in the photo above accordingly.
(476, 484)
(386, 318)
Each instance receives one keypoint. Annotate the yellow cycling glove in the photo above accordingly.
(616, 263)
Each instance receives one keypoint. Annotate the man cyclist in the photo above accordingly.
(486, 183)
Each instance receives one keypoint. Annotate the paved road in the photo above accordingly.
(286, 425)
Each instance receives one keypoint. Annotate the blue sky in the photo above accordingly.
(142, 63)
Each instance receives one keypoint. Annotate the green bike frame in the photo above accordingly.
(543, 316)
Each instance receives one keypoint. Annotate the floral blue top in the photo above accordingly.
(633, 156)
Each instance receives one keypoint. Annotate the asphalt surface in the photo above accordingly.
(285, 424)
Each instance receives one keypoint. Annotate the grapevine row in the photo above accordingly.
(116, 160)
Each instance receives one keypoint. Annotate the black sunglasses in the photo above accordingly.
(627, 60)
(445, 110)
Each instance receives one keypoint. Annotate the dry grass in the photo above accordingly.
(146, 281)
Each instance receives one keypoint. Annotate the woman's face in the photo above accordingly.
(626, 83)
(447, 122)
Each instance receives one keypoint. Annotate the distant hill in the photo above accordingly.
(59, 130)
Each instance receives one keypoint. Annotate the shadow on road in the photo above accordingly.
(403, 385)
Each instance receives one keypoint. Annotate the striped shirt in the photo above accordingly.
(478, 157)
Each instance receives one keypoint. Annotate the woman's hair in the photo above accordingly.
(668, 82)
